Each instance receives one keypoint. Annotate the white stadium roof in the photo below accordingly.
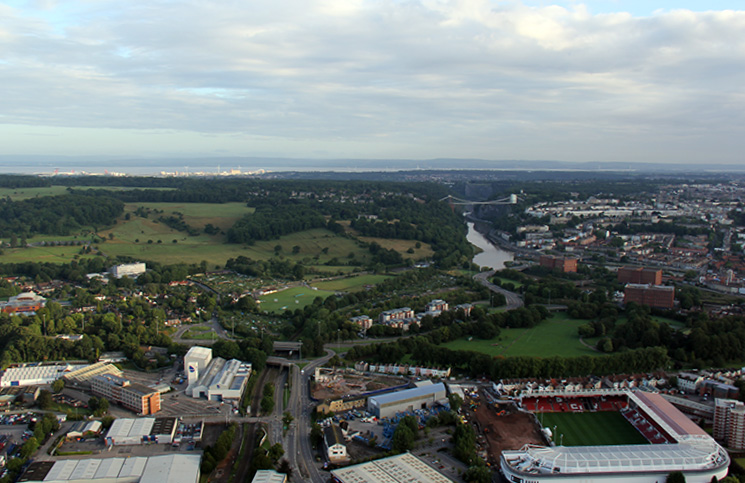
(693, 456)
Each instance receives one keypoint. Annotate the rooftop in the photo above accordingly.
(408, 393)
(403, 468)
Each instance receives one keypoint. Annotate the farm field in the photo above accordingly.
(556, 336)
(351, 284)
(591, 429)
(197, 215)
(291, 299)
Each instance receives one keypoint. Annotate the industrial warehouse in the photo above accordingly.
(424, 396)
(155, 469)
(215, 379)
(141, 431)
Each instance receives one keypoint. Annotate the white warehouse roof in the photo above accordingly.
(177, 468)
(416, 392)
(403, 468)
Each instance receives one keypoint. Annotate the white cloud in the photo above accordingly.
(470, 78)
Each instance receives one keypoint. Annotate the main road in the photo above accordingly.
(298, 445)
(513, 300)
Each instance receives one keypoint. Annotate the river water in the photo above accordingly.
(491, 256)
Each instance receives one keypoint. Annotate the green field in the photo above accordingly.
(41, 254)
(351, 284)
(291, 299)
(18, 194)
(507, 280)
(591, 429)
(556, 336)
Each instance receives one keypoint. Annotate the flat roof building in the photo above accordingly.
(729, 423)
(402, 468)
(659, 296)
(179, 468)
(133, 396)
(36, 374)
(129, 431)
(128, 270)
(388, 405)
(269, 476)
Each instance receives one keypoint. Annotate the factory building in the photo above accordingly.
(178, 468)
(402, 468)
(215, 379)
(129, 431)
(387, 405)
(36, 374)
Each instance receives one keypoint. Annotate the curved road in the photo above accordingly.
(513, 300)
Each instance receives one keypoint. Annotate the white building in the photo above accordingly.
(336, 447)
(177, 468)
(36, 374)
(215, 379)
(195, 361)
(132, 270)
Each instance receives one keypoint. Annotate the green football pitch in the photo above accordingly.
(590, 429)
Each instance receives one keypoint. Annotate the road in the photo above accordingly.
(217, 332)
(298, 446)
(513, 300)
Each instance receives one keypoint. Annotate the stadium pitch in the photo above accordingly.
(591, 429)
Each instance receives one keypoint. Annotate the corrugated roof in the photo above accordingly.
(403, 468)
(407, 393)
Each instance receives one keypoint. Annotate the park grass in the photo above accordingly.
(591, 429)
(197, 215)
(61, 254)
(290, 299)
(351, 284)
(556, 336)
(507, 280)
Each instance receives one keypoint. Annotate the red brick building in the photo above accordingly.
(659, 296)
(640, 275)
(564, 264)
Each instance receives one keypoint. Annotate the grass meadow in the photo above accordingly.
(351, 284)
(591, 429)
(556, 336)
(290, 299)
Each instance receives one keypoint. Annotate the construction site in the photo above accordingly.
(333, 384)
(499, 426)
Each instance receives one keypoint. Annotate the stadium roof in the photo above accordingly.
(665, 412)
(688, 456)
(407, 394)
(403, 468)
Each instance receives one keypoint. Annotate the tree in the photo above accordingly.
(45, 399)
(58, 386)
(287, 419)
(316, 435)
(455, 402)
(284, 467)
(276, 451)
(675, 477)
(477, 474)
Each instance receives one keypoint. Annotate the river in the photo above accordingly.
(491, 256)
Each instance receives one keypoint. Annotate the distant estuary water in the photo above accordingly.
(491, 256)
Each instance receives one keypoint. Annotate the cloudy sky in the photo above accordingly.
(602, 80)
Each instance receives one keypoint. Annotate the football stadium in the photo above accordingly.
(613, 436)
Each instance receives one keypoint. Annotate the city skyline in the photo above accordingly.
(595, 81)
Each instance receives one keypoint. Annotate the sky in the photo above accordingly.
(604, 80)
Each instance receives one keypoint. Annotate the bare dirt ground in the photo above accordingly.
(511, 431)
(342, 385)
